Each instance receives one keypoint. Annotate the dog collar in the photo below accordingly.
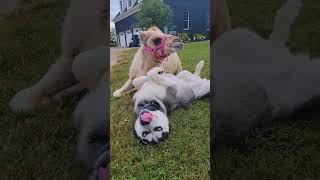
(158, 51)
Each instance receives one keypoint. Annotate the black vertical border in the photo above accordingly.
(107, 4)
(212, 145)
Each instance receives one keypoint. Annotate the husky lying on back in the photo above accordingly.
(257, 80)
(158, 94)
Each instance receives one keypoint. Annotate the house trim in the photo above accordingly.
(131, 4)
(186, 29)
(121, 6)
(128, 13)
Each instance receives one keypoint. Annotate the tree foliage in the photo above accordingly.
(154, 13)
(113, 37)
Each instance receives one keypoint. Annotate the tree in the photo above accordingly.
(113, 37)
(154, 13)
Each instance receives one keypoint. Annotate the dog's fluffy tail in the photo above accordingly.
(283, 20)
(199, 68)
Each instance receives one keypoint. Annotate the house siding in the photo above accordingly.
(199, 13)
(127, 23)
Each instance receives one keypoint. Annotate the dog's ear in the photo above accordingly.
(143, 36)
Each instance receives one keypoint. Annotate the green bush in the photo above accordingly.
(199, 37)
(184, 37)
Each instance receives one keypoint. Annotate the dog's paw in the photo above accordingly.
(117, 93)
(155, 74)
(151, 129)
(155, 71)
(25, 100)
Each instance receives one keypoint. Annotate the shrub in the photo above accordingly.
(184, 37)
(199, 37)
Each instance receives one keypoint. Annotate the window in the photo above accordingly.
(129, 3)
(121, 8)
(208, 21)
(186, 21)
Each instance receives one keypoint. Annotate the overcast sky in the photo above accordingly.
(114, 9)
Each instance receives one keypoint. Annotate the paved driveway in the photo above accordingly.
(114, 53)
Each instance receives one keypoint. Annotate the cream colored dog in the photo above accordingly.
(157, 49)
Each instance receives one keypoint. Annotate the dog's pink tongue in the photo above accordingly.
(146, 117)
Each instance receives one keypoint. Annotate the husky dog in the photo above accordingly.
(158, 94)
(82, 64)
(257, 80)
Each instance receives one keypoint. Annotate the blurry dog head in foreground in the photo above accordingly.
(257, 79)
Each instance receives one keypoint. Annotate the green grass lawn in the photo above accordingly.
(185, 154)
(286, 148)
(38, 145)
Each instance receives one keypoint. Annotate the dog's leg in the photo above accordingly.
(202, 90)
(179, 69)
(283, 20)
(59, 76)
(139, 81)
(89, 66)
(199, 67)
(126, 87)
(155, 75)
(186, 75)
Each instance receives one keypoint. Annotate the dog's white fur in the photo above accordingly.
(81, 32)
(257, 79)
(142, 62)
(82, 63)
(166, 88)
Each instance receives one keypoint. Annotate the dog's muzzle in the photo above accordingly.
(158, 51)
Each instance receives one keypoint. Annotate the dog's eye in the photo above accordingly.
(145, 133)
(157, 41)
(158, 128)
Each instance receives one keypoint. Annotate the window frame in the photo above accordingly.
(188, 20)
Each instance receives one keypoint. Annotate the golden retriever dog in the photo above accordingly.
(157, 49)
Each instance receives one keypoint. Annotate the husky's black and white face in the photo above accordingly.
(151, 126)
